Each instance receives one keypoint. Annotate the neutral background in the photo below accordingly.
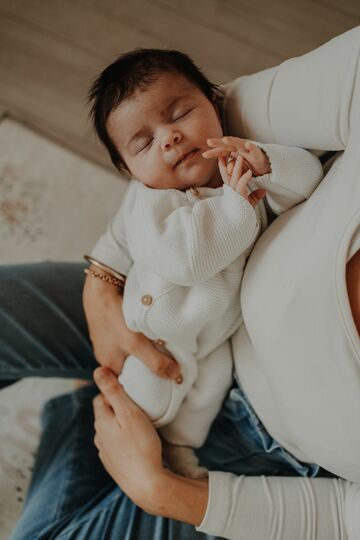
(51, 50)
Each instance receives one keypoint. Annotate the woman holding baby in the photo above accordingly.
(296, 388)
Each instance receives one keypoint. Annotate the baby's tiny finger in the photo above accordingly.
(253, 148)
(256, 196)
(243, 182)
(221, 143)
(230, 166)
(223, 170)
(215, 152)
(238, 166)
(214, 141)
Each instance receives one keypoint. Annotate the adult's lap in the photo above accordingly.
(43, 326)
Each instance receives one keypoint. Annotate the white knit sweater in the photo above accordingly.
(184, 255)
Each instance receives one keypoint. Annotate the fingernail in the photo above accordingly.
(101, 374)
(174, 373)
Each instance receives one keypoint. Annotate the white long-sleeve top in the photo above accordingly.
(184, 255)
(299, 339)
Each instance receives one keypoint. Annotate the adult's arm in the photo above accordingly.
(313, 102)
(279, 508)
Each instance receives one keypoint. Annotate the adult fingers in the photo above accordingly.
(112, 390)
(160, 363)
(113, 359)
(103, 413)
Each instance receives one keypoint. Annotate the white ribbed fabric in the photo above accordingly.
(298, 352)
(278, 508)
(185, 254)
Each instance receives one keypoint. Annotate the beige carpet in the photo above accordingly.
(53, 206)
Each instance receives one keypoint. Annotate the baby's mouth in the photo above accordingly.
(187, 157)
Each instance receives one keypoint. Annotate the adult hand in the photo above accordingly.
(128, 444)
(112, 340)
(130, 450)
(254, 157)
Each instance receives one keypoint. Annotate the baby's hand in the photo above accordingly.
(234, 176)
(255, 158)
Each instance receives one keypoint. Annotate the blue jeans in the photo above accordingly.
(44, 333)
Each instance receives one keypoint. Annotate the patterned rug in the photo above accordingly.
(53, 206)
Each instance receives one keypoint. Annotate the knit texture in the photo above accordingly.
(185, 254)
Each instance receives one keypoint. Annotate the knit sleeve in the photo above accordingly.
(281, 508)
(295, 175)
(191, 243)
(112, 247)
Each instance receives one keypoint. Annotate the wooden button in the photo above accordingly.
(146, 299)
(194, 191)
(160, 342)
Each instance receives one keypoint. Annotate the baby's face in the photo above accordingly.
(157, 127)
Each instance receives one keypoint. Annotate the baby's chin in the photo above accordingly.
(210, 178)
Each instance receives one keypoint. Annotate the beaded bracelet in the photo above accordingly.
(104, 267)
(105, 277)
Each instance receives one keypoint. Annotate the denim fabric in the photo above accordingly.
(44, 333)
(239, 437)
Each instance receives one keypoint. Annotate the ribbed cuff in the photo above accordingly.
(229, 192)
(219, 504)
(273, 157)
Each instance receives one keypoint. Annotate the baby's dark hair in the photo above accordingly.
(136, 70)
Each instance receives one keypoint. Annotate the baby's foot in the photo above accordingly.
(183, 460)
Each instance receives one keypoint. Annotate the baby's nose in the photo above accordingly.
(170, 140)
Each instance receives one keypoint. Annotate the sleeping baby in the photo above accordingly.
(196, 203)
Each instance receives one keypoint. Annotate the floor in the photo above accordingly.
(51, 51)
